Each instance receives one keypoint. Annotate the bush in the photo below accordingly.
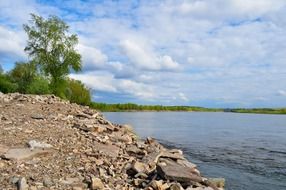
(6, 85)
(76, 92)
(23, 74)
(38, 86)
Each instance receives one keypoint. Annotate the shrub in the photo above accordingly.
(6, 85)
(39, 85)
(76, 92)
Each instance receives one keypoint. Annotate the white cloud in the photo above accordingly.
(227, 52)
(144, 58)
(183, 97)
(11, 43)
(281, 93)
(96, 82)
(107, 83)
(92, 57)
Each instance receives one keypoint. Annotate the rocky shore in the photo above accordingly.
(48, 143)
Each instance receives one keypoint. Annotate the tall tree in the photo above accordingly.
(52, 48)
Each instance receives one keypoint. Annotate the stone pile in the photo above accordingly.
(48, 143)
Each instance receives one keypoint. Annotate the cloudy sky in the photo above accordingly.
(213, 53)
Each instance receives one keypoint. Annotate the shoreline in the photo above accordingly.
(49, 143)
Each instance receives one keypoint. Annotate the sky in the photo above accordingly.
(211, 53)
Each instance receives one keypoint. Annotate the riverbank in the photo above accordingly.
(48, 143)
(130, 107)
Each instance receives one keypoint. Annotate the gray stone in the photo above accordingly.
(37, 116)
(173, 171)
(139, 167)
(22, 184)
(176, 156)
(107, 149)
(47, 182)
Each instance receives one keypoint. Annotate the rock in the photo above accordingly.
(77, 188)
(127, 128)
(108, 150)
(176, 156)
(158, 185)
(98, 129)
(186, 163)
(173, 171)
(14, 180)
(141, 175)
(33, 188)
(176, 186)
(70, 181)
(34, 144)
(218, 182)
(22, 184)
(37, 116)
(96, 184)
(84, 145)
(23, 153)
(47, 182)
(139, 167)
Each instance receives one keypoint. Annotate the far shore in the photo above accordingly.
(130, 107)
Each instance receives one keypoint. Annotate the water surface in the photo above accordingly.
(249, 150)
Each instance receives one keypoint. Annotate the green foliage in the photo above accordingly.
(52, 48)
(6, 85)
(39, 85)
(135, 107)
(76, 92)
(23, 74)
(1, 70)
(259, 110)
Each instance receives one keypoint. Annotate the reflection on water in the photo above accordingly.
(249, 150)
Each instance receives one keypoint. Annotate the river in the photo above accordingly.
(248, 150)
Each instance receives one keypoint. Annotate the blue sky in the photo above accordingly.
(214, 53)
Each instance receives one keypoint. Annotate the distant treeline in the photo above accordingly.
(129, 107)
(136, 107)
(258, 110)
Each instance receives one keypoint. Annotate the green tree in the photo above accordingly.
(23, 74)
(52, 48)
(77, 92)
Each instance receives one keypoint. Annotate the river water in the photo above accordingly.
(248, 150)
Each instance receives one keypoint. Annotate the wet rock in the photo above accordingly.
(218, 182)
